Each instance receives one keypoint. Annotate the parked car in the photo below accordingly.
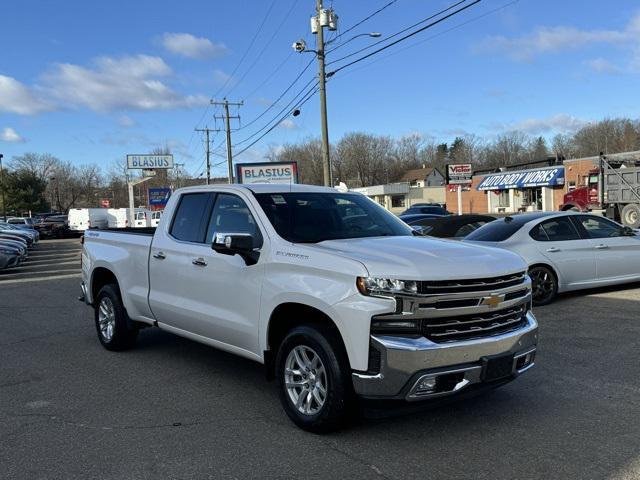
(30, 236)
(16, 246)
(449, 226)
(333, 293)
(25, 222)
(81, 219)
(9, 258)
(54, 226)
(428, 209)
(566, 251)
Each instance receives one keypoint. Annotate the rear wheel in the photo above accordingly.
(630, 215)
(313, 378)
(544, 285)
(114, 328)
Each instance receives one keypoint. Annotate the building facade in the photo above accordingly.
(397, 197)
(541, 187)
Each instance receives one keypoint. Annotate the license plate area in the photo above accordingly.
(495, 367)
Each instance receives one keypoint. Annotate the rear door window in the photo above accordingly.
(190, 220)
(555, 230)
(496, 231)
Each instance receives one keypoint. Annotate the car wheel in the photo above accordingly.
(114, 328)
(313, 378)
(630, 215)
(543, 284)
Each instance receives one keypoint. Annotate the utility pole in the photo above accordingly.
(178, 166)
(4, 203)
(326, 160)
(225, 103)
(206, 131)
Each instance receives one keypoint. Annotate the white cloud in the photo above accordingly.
(17, 98)
(556, 39)
(129, 82)
(288, 124)
(10, 135)
(560, 123)
(221, 77)
(602, 65)
(187, 45)
(126, 121)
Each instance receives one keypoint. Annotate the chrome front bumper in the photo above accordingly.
(408, 366)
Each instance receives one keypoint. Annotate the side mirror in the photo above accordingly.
(242, 244)
(628, 232)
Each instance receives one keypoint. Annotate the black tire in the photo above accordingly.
(544, 285)
(119, 334)
(339, 396)
(630, 215)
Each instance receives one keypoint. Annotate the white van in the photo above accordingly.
(80, 219)
(155, 217)
(118, 217)
(142, 218)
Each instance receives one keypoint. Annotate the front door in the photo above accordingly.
(572, 256)
(197, 290)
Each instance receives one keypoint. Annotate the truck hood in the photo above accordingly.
(421, 258)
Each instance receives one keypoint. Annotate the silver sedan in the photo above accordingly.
(566, 250)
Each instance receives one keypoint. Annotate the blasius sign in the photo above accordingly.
(541, 177)
(149, 161)
(268, 172)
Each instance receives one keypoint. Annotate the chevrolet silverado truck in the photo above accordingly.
(337, 297)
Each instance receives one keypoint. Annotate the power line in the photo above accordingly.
(269, 77)
(356, 25)
(430, 25)
(430, 17)
(301, 92)
(244, 55)
(299, 104)
(275, 102)
(420, 42)
(264, 48)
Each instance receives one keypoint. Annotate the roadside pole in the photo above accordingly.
(459, 199)
(326, 159)
(131, 199)
(226, 117)
(4, 203)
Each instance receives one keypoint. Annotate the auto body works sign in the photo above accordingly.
(459, 174)
(541, 177)
(149, 161)
(268, 172)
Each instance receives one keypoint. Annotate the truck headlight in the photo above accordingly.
(386, 286)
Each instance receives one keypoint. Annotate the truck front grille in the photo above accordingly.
(468, 327)
(473, 285)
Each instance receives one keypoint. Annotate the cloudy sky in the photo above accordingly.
(92, 81)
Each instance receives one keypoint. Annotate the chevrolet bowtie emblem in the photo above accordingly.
(493, 301)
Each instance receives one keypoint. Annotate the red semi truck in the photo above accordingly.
(613, 187)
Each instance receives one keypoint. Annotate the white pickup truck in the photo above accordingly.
(336, 296)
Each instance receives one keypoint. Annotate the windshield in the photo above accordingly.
(314, 217)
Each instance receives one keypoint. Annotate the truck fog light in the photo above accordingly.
(426, 384)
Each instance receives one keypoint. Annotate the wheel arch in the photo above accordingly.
(551, 268)
(100, 277)
(287, 316)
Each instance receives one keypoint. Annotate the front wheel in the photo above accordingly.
(112, 323)
(313, 378)
(543, 284)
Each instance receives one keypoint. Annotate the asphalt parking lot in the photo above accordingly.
(172, 408)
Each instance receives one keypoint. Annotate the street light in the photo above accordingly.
(370, 34)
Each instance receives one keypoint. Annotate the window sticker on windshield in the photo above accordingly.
(278, 199)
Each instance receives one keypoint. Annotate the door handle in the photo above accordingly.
(601, 246)
(159, 255)
(553, 249)
(199, 262)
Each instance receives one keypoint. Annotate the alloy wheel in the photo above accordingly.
(305, 379)
(106, 319)
(543, 284)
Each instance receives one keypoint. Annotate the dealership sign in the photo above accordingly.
(541, 177)
(149, 161)
(158, 197)
(459, 174)
(267, 172)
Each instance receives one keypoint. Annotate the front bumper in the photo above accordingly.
(408, 365)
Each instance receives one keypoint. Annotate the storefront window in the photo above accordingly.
(532, 197)
(503, 198)
(397, 201)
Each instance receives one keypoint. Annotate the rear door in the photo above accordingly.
(617, 255)
(570, 254)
